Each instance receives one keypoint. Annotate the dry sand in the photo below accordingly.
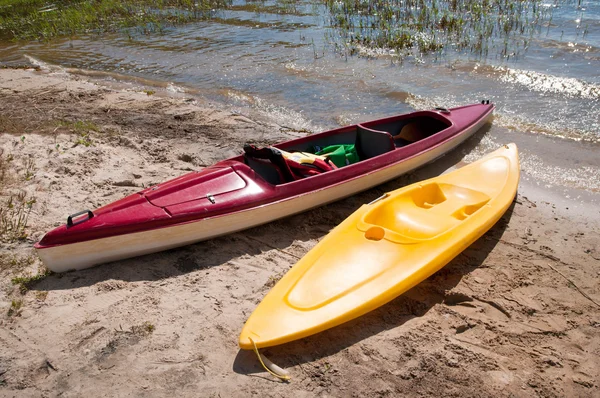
(516, 314)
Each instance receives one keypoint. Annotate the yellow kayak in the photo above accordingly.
(385, 248)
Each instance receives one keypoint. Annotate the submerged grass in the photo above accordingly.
(288, 7)
(45, 19)
(426, 26)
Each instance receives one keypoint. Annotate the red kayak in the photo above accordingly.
(257, 187)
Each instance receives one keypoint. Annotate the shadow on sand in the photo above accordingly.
(312, 224)
(412, 304)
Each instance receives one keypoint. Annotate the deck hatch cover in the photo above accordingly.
(194, 186)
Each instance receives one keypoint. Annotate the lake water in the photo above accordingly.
(282, 64)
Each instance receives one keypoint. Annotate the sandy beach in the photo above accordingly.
(516, 314)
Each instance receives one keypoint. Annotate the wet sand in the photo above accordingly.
(516, 314)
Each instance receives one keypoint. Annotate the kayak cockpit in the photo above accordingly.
(379, 136)
(367, 140)
(406, 131)
(422, 213)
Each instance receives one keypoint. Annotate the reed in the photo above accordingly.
(410, 27)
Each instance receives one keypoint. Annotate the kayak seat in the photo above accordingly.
(425, 211)
(371, 143)
(278, 166)
(263, 158)
(407, 131)
(267, 170)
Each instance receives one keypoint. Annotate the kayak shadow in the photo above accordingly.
(180, 261)
(310, 225)
(413, 304)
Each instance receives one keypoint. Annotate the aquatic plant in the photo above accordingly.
(424, 26)
(43, 19)
(269, 7)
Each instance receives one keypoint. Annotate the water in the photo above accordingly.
(283, 64)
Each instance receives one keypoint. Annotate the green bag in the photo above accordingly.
(340, 155)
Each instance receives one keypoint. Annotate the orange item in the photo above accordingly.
(384, 249)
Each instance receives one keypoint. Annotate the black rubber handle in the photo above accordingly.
(72, 216)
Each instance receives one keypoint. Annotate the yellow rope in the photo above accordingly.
(282, 377)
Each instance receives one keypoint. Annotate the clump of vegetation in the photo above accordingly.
(292, 7)
(44, 19)
(4, 164)
(84, 139)
(273, 279)
(29, 168)
(15, 307)
(14, 207)
(14, 215)
(41, 295)
(82, 128)
(144, 329)
(149, 92)
(426, 26)
(26, 282)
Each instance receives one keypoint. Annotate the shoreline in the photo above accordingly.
(506, 317)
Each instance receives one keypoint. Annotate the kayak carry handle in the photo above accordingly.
(442, 109)
(385, 195)
(72, 216)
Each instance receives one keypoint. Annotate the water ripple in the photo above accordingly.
(536, 81)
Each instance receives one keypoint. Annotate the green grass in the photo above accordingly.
(26, 282)
(79, 126)
(43, 19)
(82, 128)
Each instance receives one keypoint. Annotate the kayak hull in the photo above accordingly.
(157, 219)
(389, 246)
